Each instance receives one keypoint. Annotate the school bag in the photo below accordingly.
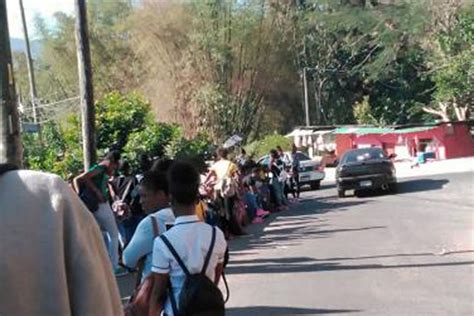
(139, 304)
(199, 295)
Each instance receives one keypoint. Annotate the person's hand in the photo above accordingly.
(121, 208)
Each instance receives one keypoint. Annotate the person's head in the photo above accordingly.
(125, 168)
(222, 153)
(153, 190)
(162, 165)
(243, 152)
(145, 162)
(274, 153)
(279, 150)
(294, 149)
(183, 183)
(112, 160)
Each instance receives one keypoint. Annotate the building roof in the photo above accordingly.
(381, 130)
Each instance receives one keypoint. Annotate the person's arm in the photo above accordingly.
(140, 245)
(158, 294)
(86, 178)
(218, 272)
(209, 176)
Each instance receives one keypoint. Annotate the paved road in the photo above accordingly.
(405, 254)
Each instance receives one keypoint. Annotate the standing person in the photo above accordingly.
(123, 193)
(191, 242)
(96, 179)
(225, 173)
(53, 259)
(295, 169)
(242, 159)
(155, 201)
(275, 166)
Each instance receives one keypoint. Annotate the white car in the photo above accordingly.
(311, 171)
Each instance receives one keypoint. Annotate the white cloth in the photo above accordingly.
(191, 238)
(53, 260)
(141, 243)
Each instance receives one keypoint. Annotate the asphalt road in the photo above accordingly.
(405, 254)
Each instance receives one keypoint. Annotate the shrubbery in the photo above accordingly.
(124, 122)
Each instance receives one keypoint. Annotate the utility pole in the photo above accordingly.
(29, 62)
(306, 100)
(85, 85)
(10, 144)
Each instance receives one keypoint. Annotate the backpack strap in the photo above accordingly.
(175, 255)
(209, 253)
(156, 230)
(5, 167)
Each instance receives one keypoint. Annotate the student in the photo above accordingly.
(96, 179)
(53, 259)
(224, 170)
(190, 237)
(154, 198)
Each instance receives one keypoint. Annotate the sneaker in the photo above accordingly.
(262, 213)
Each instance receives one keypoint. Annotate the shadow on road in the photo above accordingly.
(292, 227)
(409, 186)
(277, 310)
(299, 265)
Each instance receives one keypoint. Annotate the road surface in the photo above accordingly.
(405, 254)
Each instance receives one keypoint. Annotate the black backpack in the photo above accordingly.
(199, 295)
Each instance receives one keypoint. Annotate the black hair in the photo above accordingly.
(243, 152)
(162, 165)
(155, 181)
(279, 148)
(273, 153)
(113, 156)
(125, 166)
(222, 153)
(183, 182)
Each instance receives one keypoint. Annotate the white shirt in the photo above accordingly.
(191, 239)
(141, 243)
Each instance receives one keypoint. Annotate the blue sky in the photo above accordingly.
(45, 8)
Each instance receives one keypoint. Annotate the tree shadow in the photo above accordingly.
(291, 227)
(280, 310)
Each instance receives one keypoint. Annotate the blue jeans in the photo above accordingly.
(252, 204)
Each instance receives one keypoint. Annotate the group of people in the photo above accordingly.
(193, 215)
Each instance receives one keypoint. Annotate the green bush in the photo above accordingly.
(262, 147)
(196, 150)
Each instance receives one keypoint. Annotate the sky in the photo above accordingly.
(45, 8)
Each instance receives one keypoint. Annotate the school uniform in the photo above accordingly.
(141, 244)
(191, 238)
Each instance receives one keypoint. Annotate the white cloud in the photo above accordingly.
(45, 8)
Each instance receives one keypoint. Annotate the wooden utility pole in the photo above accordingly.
(85, 85)
(10, 144)
(306, 99)
(29, 62)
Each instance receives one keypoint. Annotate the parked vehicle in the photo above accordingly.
(365, 169)
(311, 172)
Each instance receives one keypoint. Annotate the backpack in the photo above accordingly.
(199, 295)
(139, 304)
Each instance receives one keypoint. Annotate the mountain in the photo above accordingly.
(18, 45)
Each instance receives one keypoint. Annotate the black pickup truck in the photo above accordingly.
(365, 169)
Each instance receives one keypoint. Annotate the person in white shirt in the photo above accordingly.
(190, 237)
(153, 191)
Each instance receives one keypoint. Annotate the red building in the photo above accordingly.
(438, 141)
